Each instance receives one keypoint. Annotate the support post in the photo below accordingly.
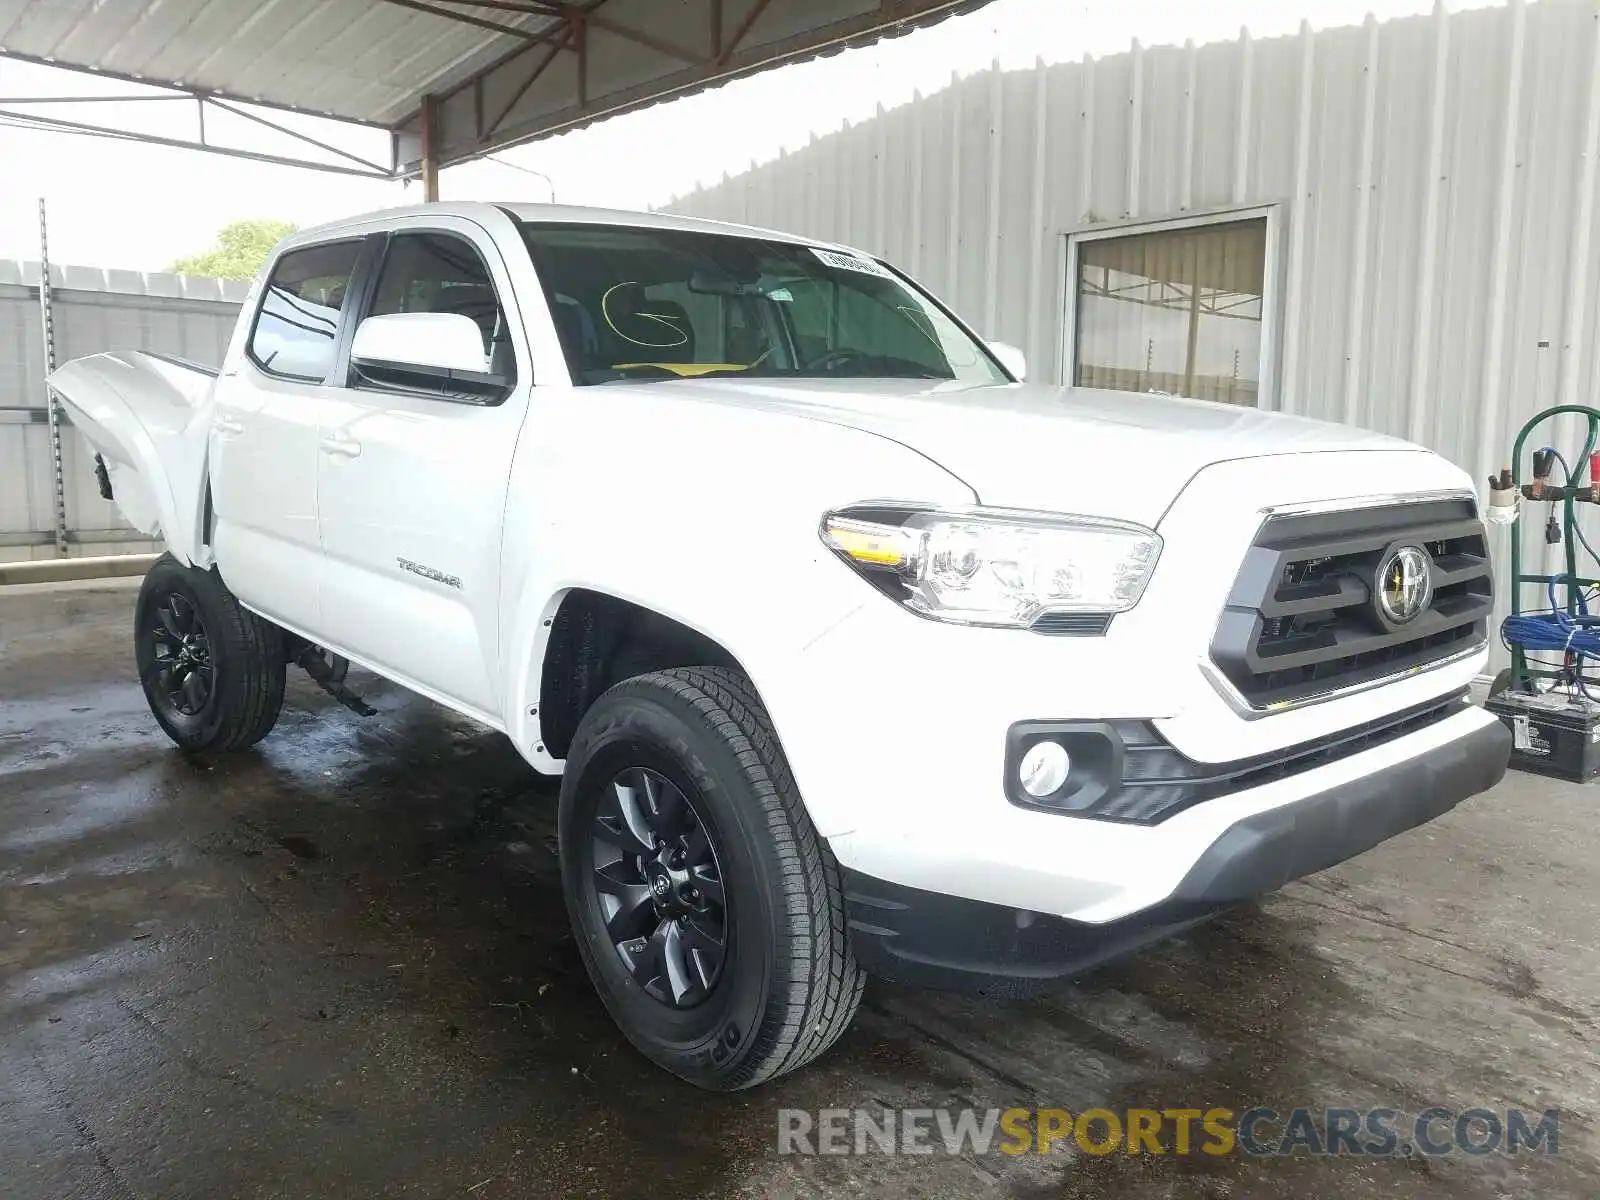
(430, 149)
(1194, 322)
(52, 406)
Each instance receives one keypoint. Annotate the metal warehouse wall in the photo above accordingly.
(93, 310)
(1441, 269)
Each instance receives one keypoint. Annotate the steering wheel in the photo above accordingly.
(831, 360)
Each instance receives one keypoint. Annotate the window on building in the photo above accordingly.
(1175, 310)
(297, 327)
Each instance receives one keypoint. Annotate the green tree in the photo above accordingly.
(240, 250)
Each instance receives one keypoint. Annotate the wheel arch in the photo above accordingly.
(593, 639)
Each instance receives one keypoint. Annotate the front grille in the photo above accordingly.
(1302, 619)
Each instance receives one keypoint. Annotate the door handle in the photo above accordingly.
(228, 425)
(343, 447)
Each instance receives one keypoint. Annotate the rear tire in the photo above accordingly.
(212, 671)
(676, 779)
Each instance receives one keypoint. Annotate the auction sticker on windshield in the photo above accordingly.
(850, 262)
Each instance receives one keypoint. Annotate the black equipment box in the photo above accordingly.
(1552, 734)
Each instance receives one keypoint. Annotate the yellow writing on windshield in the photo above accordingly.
(684, 369)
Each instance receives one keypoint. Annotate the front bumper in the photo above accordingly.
(942, 940)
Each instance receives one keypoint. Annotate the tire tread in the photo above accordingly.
(252, 646)
(817, 986)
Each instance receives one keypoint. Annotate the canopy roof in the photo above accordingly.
(484, 74)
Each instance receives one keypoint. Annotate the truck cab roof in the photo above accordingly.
(476, 210)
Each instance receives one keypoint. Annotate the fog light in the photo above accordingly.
(1044, 769)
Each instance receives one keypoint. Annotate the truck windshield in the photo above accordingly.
(634, 303)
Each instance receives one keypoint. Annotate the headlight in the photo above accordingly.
(993, 566)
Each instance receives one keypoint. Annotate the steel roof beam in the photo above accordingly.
(293, 133)
(536, 10)
(756, 10)
(527, 35)
(62, 125)
(90, 99)
(467, 134)
(539, 69)
(648, 41)
(184, 90)
(573, 13)
(475, 80)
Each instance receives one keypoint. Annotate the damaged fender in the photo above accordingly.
(149, 418)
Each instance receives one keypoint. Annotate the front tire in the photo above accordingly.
(212, 671)
(708, 911)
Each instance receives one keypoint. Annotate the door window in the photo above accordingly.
(442, 273)
(297, 325)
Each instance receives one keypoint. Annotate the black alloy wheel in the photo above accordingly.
(181, 648)
(709, 913)
(658, 884)
(211, 670)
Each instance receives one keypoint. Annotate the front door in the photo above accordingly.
(412, 486)
(265, 428)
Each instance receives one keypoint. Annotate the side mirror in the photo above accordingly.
(1011, 359)
(432, 352)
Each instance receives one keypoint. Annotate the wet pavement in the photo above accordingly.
(338, 966)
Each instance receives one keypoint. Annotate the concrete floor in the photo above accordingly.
(339, 966)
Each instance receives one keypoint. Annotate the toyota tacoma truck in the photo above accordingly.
(854, 653)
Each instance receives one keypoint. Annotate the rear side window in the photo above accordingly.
(297, 326)
(440, 273)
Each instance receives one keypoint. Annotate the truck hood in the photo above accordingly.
(1053, 449)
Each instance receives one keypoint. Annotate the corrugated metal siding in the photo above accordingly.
(93, 311)
(1437, 176)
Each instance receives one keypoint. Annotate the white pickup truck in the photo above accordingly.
(854, 652)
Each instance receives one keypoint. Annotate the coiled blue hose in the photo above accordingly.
(1557, 631)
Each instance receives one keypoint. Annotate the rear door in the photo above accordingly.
(411, 485)
(267, 416)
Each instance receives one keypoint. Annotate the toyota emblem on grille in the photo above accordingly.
(1404, 584)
